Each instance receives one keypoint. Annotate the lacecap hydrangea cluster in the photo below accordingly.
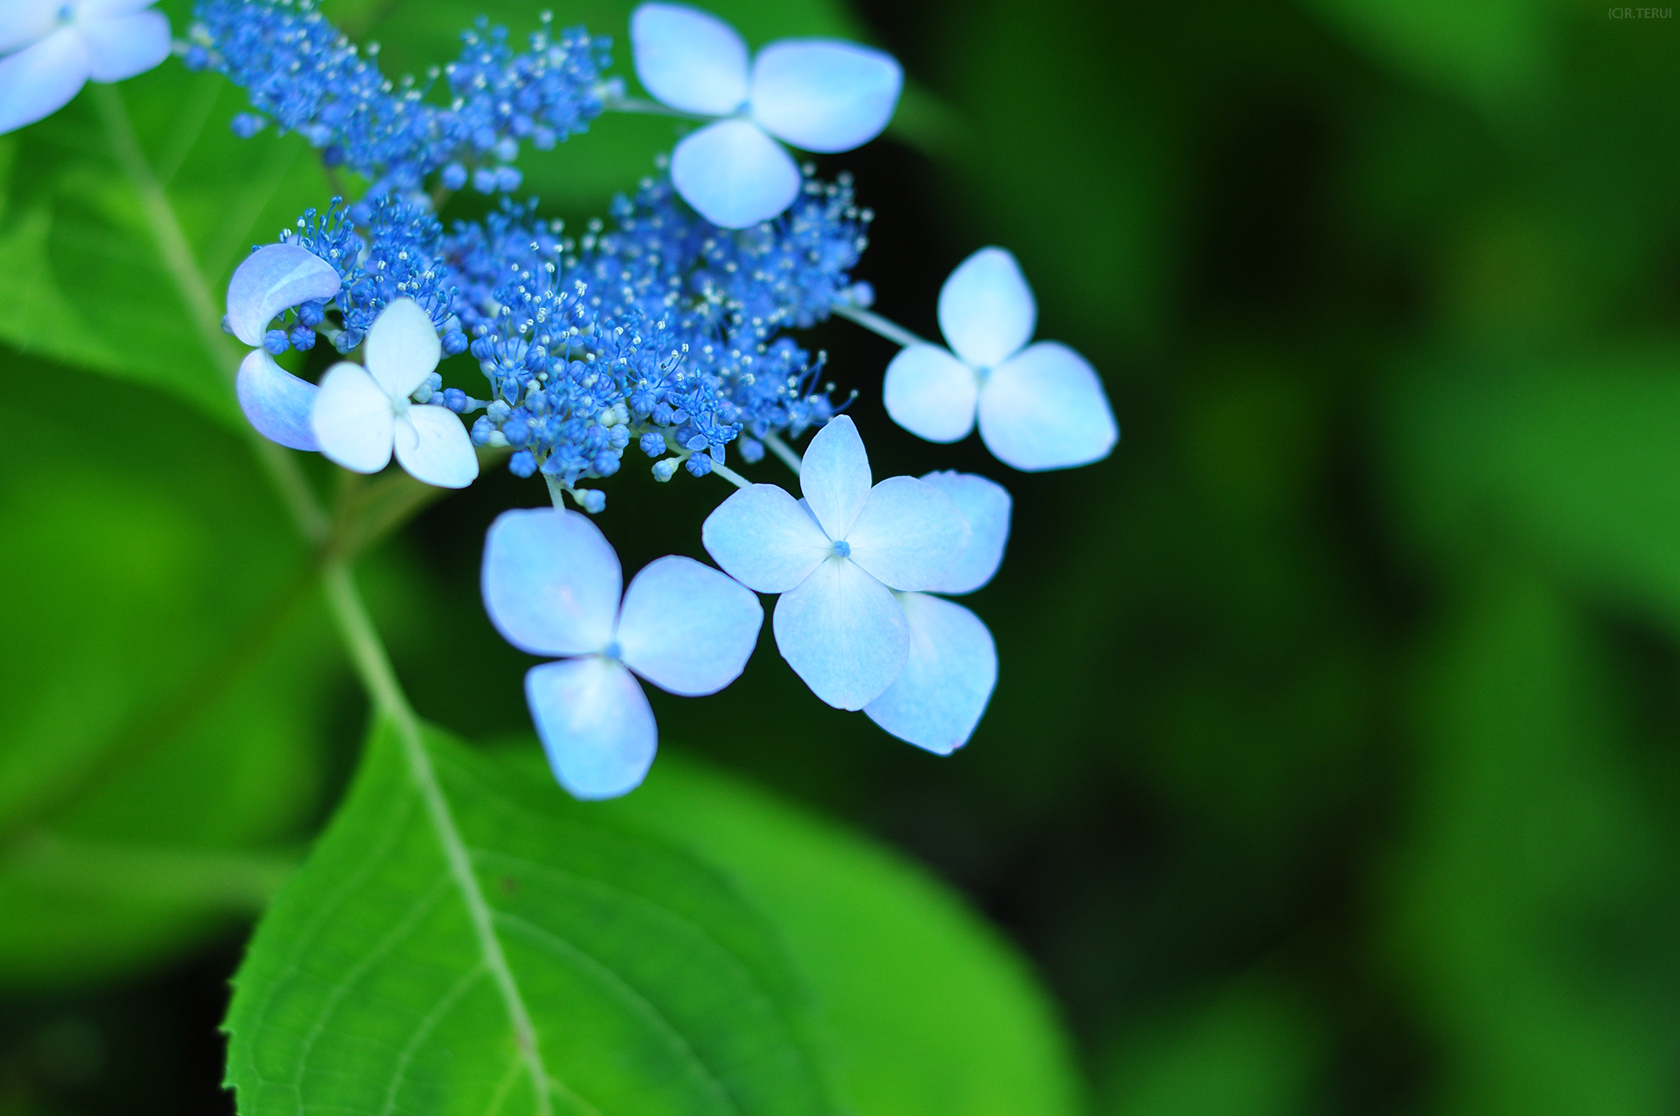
(665, 330)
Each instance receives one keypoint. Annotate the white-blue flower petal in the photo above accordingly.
(824, 95)
(834, 476)
(843, 633)
(550, 581)
(277, 402)
(689, 59)
(764, 539)
(986, 310)
(687, 628)
(595, 725)
(352, 419)
(39, 80)
(947, 680)
(931, 393)
(125, 45)
(434, 447)
(986, 505)
(23, 22)
(908, 534)
(402, 348)
(734, 175)
(1046, 409)
(271, 279)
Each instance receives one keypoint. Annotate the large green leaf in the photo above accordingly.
(929, 1011)
(121, 218)
(463, 941)
(164, 674)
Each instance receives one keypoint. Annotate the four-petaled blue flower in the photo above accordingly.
(1039, 406)
(551, 587)
(946, 682)
(362, 414)
(272, 280)
(835, 557)
(54, 46)
(817, 94)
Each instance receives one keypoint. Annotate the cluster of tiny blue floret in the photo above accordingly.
(305, 75)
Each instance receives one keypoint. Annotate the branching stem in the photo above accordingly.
(873, 322)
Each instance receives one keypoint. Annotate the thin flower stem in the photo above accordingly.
(647, 108)
(781, 450)
(556, 491)
(730, 475)
(873, 322)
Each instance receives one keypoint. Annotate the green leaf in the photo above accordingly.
(1574, 462)
(464, 939)
(930, 1013)
(165, 674)
(121, 219)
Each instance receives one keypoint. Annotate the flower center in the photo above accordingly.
(399, 407)
(612, 651)
(842, 549)
(67, 13)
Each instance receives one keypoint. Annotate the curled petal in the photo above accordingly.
(121, 47)
(595, 725)
(931, 393)
(843, 633)
(689, 59)
(764, 539)
(402, 348)
(734, 175)
(687, 628)
(986, 505)
(1046, 409)
(908, 534)
(275, 278)
(551, 582)
(947, 680)
(434, 447)
(834, 476)
(41, 79)
(352, 419)
(824, 95)
(986, 310)
(277, 402)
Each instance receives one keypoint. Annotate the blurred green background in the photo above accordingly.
(1334, 759)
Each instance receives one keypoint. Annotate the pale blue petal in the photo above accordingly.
(938, 698)
(352, 419)
(687, 628)
(843, 633)
(39, 80)
(764, 539)
(931, 393)
(434, 447)
(551, 582)
(834, 476)
(734, 175)
(23, 22)
(689, 59)
(986, 505)
(125, 45)
(908, 534)
(277, 402)
(595, 725)
(272, 279)
(402, 348)
(86, 10)
(1046, 409)
(824, 95)
(986, 310)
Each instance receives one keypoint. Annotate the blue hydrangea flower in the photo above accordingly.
(948, 678)
(1039, 406)
(272, 280)
(551, 586)
(53, 47)
(817, 94)
(835, 558)
(361, 414)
